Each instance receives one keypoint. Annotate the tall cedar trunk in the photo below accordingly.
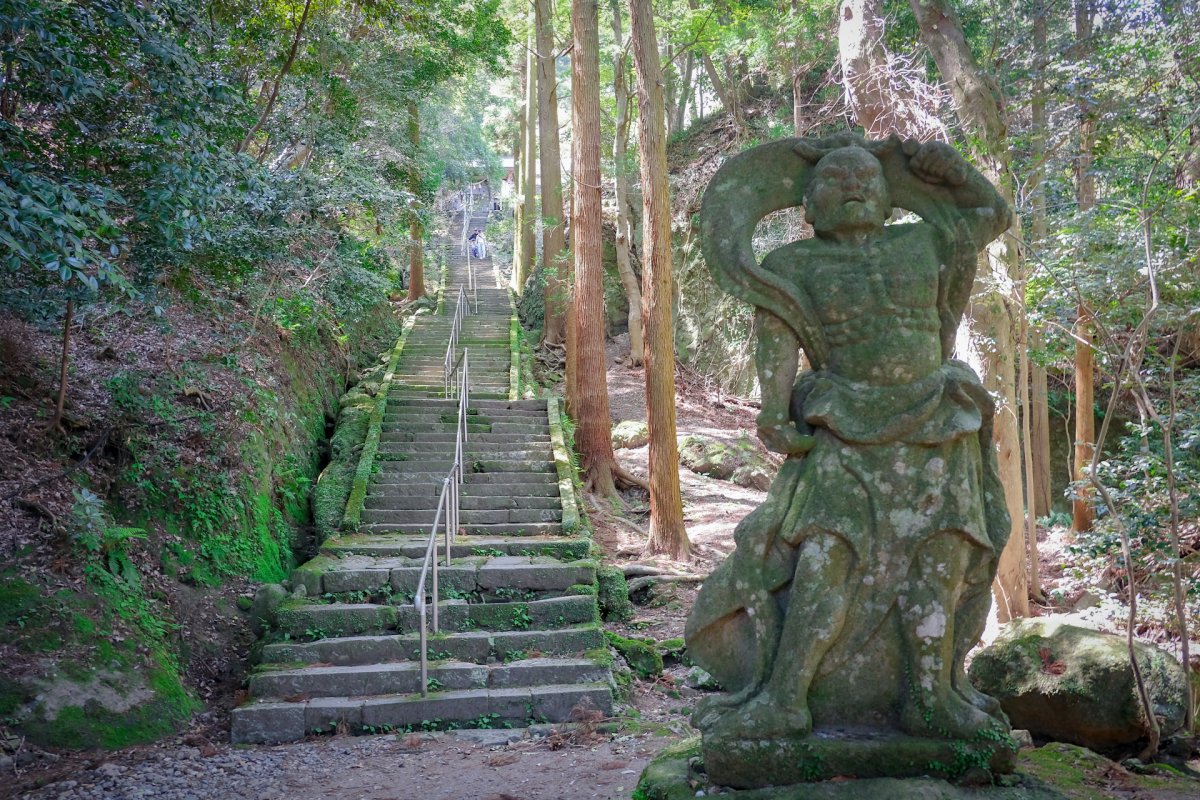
(593, 432)
(670, 90)
(624, 237)
(518, 196)
(1039, 405)
(283, 72)
(522, 268)
(553, 222)
(980, 109)
(416, 231)
(1082, 515)
(667, 534)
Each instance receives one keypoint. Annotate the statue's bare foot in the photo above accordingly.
(946, 716)
(984, 702)
(760, 718)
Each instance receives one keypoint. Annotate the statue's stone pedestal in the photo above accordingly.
(847, 752)
(680, 771)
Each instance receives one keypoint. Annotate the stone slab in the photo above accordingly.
(753, 763)
(268, 723)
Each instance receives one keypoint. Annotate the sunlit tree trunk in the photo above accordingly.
(524, 266)
(624, 237)
(667, 533)
(416, 231)
(979, 105)
(553, 236)
(593, 432)
(1039, 405)
(1082, 514)
(685, 92)
(518, 197)
(293, 51)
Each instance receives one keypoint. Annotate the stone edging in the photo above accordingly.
(366, 460)
(562, 465)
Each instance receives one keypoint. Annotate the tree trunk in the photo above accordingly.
(624, 237)
(980, 109)
(1082, 515)
(882, 100)
(416, 231)
(1039, 405)
(524, 266)
(667, 533)
(554, 243)
(593, 433)
(518, 195)
(685, 91)
(283, 72)
(727, 94)
(63, 362)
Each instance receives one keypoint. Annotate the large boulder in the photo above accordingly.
(1070, 684)
(739, 462)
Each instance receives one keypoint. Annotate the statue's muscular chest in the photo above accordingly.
(893, 277)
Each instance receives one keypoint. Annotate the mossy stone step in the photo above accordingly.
(273, 722)
(413, 546)
(498, 529)
(491, 516)
(428, 502)
(478, 647)
(405, 678)
(466, 574)
(484, 465)
(489, 438)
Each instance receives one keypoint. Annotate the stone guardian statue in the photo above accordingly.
(840, 623)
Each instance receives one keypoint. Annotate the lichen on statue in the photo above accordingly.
(858, 586)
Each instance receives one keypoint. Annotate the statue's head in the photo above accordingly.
(848, 193)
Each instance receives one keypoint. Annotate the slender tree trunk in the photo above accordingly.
(685, 91)
(1082, 515)
(416, 231)
(283, 72)
(624, 237)
(518, 195)
(63, 362)
(1039, 405)
(981, 112)
(727, 94)
(667, 533)
(799, 127)
(554, 243)
(522, 268)
(593, 433)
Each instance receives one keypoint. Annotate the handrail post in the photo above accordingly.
(424, 654)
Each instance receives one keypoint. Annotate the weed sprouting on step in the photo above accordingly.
(521, 620)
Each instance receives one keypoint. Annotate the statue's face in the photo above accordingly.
(848, 193)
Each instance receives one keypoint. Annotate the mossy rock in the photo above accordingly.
(613, 595)
(740, 462)
(1070, 684)
(630, 433)
(641, 654)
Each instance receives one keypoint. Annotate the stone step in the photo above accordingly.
(511, 414)
(429, 501)
(429, 394)
(547, 487)
(465, 575)
(468, 518)
(499, 529)
(472, 451)
(307, 620)
(478, 647)
(413, 546)
(405, 677)
(486, 465)
(483, 405)
(486, 438)
(274, 722)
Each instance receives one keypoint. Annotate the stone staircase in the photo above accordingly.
(520, 640)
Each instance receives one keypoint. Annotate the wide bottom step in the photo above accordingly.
(273, 722)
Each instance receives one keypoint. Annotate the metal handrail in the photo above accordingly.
(449, 508)
(449, 363)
